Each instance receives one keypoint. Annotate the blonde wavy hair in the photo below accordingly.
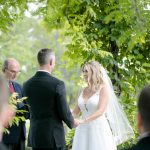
(97, 79)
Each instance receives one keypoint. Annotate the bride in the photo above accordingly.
(103, 123)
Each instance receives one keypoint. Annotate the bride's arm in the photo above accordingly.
(101, 106)
(76, 111)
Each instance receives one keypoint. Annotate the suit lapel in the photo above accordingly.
(18, 90)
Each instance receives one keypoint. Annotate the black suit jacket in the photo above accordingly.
(48, 108)
(143, 144)
(16, 132)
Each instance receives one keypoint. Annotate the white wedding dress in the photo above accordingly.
(95, 135)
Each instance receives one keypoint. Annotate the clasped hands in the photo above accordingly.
(77, 122)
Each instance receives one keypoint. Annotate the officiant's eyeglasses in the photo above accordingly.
(13, 71)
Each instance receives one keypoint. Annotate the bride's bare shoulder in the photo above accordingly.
(104, 89)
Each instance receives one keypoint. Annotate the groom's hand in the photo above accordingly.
(76, 122)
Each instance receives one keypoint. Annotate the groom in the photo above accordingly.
(48, 107)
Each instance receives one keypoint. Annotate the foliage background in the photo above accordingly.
(114, 32)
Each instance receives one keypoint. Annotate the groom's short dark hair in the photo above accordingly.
(144, 106)
(44, 55)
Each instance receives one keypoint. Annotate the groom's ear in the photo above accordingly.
(51, 62)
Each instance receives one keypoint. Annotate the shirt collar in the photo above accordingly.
(43, 71)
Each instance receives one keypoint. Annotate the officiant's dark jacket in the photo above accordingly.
(17, 131)
(143, 144)
(48, 108)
